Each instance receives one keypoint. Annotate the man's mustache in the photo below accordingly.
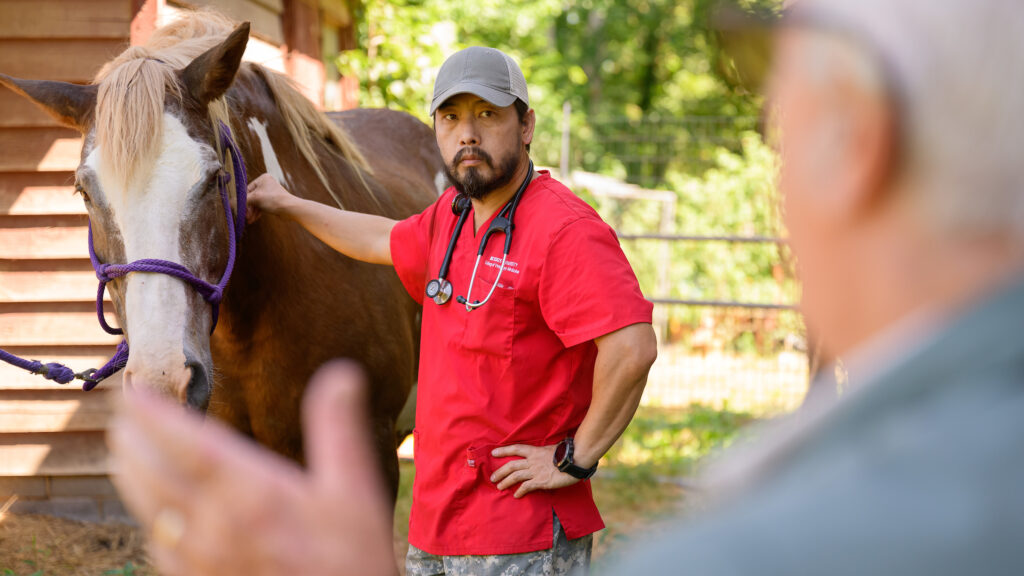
(472, 151)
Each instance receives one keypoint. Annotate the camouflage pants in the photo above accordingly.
(565, 558)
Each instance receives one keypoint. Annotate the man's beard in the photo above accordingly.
(474, 184)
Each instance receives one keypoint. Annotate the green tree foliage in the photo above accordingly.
(607, 58)
(653, 101)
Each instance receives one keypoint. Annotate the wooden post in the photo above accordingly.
(301, 21)
(664, 283)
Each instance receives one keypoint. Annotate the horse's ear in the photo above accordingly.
(70, 104)
(210, 75)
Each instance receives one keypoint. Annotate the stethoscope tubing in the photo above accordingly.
(446, 263)
(474, 305)
(439, 289)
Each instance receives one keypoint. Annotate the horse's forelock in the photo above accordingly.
(129, 115)
(133, 89)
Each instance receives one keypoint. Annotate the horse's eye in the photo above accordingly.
(84, 194)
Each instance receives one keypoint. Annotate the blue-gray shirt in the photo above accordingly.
(922, 473)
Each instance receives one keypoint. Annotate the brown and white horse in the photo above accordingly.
(148, 176)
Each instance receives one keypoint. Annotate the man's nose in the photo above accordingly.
(469, 136)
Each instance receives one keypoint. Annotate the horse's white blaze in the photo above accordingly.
(149, 214)
(440, 182)
(269, 156)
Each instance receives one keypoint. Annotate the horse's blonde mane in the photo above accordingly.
(132, 88)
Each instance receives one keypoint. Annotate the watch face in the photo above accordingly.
(560, 451)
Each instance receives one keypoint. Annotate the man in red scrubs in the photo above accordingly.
(532, 361)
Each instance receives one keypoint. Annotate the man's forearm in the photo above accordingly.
(620, 374)
(360, 236)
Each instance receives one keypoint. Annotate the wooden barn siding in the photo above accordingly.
(52, 450)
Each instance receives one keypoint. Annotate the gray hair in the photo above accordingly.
(956, 69)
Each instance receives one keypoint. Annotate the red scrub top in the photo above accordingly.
(518, 370)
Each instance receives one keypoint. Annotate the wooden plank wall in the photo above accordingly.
(52, 451)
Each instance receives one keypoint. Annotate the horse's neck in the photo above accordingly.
(272, 252)
(270, 146)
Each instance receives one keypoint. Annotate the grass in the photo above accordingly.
(666, 442)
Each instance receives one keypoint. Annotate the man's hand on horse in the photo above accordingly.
(217, 503)
(535, 470)
(265, 194)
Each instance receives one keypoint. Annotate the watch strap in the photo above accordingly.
(567, 465)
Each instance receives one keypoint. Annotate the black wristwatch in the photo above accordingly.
(563, 461)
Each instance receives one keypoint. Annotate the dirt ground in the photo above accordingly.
(46, 546)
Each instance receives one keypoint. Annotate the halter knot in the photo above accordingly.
(103, 275)
(215, 296)
(53, 371)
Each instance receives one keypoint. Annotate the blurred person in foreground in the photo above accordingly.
(902, 176)
(903, 183)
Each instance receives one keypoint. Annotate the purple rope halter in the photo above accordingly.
(212, 293)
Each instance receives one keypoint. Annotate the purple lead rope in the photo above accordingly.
(212, 293)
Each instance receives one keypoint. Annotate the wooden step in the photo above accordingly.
(35, 487)
(46, 19)
(35, 193)
(53, 454)
(60, 487)
(56, 410)
(76, 60)
(77, 358)
(39, 149)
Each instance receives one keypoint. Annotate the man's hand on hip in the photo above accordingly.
(535, 471)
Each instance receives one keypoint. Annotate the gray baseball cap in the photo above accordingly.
(488, 73)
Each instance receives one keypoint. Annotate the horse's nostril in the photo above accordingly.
(196, 394)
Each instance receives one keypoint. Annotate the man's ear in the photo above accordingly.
(857, 151)
(210, 75)
(870, 136)
(70, 104)
(528, 125)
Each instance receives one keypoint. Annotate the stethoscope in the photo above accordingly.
(440, 289)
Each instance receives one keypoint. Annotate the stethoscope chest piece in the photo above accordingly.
(439, 290)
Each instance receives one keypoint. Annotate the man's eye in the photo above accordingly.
(449, 116)
(486, 114)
